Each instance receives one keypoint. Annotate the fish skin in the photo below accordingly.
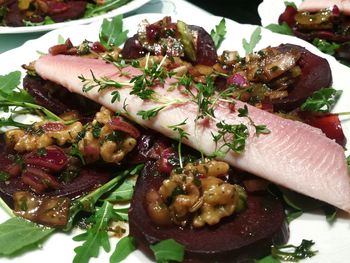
(294, 155)
(317, 5)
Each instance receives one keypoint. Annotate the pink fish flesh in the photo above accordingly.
(317, 5)
(293, 154)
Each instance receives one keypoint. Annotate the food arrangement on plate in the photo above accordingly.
(21, 16)
(322, 23)
(216, 139)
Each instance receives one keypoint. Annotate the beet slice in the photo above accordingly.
(238, 238)
(75, 9)
(56, 98)
(316, 74)
(205, 49)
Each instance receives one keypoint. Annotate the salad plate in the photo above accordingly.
(331, 240)
(128, 7)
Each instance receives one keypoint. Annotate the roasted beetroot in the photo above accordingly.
(56, 98)
(239, 238)
(315, 74)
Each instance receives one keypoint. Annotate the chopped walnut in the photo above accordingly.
(195, 196)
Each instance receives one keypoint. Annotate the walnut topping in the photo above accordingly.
(196, 196)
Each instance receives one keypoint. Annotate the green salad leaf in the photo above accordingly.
(294, 253)
(123, 193)
(168, 250)
(111, 32)
(254, 40)
(326, 46)
(108, 5)
(17, 234)
(124, 247)
(321, 100)
(281, 29)
(218, 34)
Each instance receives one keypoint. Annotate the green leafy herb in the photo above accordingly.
(74, 151)
(168, 250)
(4, 122)
(348, 161)
(182, 135)
(321, 100)
(96, 129)
(281, 29)
(108, 5)
(204, 98)
(111, 32)
(294, 253)
(268, 259)
(60, 39)
(331, 213)
(218, 34)
(254, 40)
(259, 129)
(326, 46)
(96, 236)
(123, 193)
(142, 84)
(87, 202)
(151, 113)
(41, 152)
(124, 247)
(17, 234)
(4, 176)
(292, 4)
(47, 21)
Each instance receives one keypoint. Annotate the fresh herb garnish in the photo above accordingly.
(218, 34)
(326, 46)
(168, 250)
(292, 4)
(74, 151)
(294, 253)
(124, 247)
(259, 129)
(204, 98)
(151, 113)
(181, 135)
(108, 5)
(111, 32)
(123, 193)
(254, 40)
(348, 161)
(151, 75)
(17, 234)
(321, 100)
(96, 236)
(281, 29)
(4, 176)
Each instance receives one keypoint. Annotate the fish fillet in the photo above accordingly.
(293, 155)
(317, 5)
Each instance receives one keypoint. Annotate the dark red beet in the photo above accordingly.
(75, 9)
(13, 16)
(329, 124)
(206, 50)
(56, 98)
(316, 74)
(132, 48)
(288, 16)
(53, 159)
(87, 181)
(118, 124)
(239, 238)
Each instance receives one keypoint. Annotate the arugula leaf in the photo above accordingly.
(218, 34)
(294, 253)
(96, 236)
(268, 259)
(17, 234)
(321, 100)
(111, 32)
(75, 152)
(108, 5)
(281, 29)
(254, 40)
(168, 250)
(326, 46)
(124, 247)
(87, 202)
(348, 161)
(10, 82)
(124, 192)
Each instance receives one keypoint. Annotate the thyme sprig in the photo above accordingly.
(182, 134)
(149, 78)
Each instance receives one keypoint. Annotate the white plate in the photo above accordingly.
(270, 10)
(134, 4)
(331, 241)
